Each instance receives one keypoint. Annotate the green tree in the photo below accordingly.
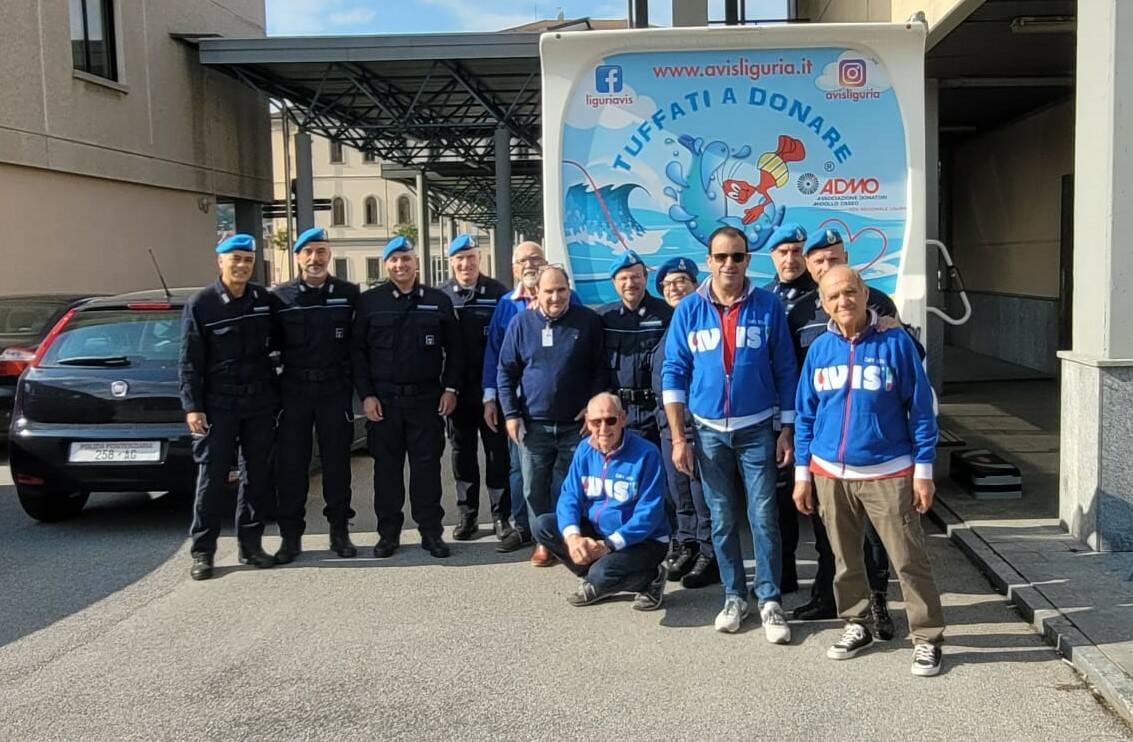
(407, 230)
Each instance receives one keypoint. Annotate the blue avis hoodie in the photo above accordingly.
(763, 372)
(865, 408)
(622, 494)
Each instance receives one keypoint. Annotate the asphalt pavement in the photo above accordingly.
(104, 637)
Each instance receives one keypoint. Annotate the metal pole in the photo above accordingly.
(423, 228)
(502, 256)
(732, 12)
(639, 13)
(287, 189)
(304, 183)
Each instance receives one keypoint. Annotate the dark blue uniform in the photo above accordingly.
(226, 373)
(407, 350)
(631, 336)
(474, 308)
(808, 321)
(314, 325)
(790, 293)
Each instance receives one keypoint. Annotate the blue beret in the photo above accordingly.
(629, 259)
(397, 244)
(677, 265)
(237, 242)
(791, 232)
(825, 238)
(314, 234)
(462, 242)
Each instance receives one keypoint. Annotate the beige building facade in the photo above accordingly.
(366, 212)
(114, 139)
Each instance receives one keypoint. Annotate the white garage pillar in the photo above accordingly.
(1096, 481)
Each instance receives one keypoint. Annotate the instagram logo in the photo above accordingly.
(851, 73)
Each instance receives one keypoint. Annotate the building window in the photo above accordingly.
(369, 157)
(373, 211)
(373, 270)
(92, 38)
(434, 217)
(404, 210)
(336, 152)
(342, 268)
(337, 212)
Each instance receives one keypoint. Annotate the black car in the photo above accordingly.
(24, 321)
(98, 409)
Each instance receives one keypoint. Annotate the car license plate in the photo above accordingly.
(115, 452)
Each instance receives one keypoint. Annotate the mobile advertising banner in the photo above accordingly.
(654, 138)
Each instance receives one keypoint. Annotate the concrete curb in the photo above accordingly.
(1107, 677)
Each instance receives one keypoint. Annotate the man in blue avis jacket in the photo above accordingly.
(609, 526)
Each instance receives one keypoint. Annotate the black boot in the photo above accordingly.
(436, 546)
(202, 567)
(289, 548)
(704, 572)
(385, 547)
(501, 527)
(818, 609)
(681, 561)
(882, 621)
(255, 555)
(340, 542)
(466, 529)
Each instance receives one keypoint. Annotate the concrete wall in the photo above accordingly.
(845, 11)
(65, 232)
(167, 122)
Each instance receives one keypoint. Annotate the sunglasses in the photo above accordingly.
(722, 257)
(596, 422)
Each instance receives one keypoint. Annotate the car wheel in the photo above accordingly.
(51, 507)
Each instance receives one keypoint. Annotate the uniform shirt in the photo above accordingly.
(865, 408)
(405, 340)
(808, 320)
(314, 326)
(474, 310)
(226, 342)
(658, 363)
(730, 391)
(560, 364)
(791, 293)
(631, 336)
(621, 494)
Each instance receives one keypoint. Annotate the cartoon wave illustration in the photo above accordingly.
(604, 213)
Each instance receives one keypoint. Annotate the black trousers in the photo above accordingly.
(789, 521)
(626, 570)
(464, 426)
(410, 428)
(216, 453)
(686, 498)
(876, 561)
(333, 420)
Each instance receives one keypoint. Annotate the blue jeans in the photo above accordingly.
(547, 453)
(726, 460)
(515, 489)
(626, 570)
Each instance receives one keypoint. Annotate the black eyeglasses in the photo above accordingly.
(596, 422)
(722, 257)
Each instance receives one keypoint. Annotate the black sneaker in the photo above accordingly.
(882, 621)
(926, 660)
(680, 561)
(854, 639)
(650, 598)
(704, 573)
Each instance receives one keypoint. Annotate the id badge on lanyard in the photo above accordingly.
(548, 337)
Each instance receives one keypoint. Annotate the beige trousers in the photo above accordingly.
(888, 503)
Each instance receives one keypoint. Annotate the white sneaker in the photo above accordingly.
(734, 613)
(775, 626)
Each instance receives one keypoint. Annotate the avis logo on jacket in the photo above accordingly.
(732, 366)
(865, 408)
(622, 494)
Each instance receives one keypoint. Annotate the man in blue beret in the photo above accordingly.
(792, 284)
(691, 558)
(228, 393)
(316, 312)
(475, 296)
(808, 320)
(408, 369)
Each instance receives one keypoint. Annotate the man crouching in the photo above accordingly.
(609, 526)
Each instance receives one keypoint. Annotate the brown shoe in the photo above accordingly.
(541, 557)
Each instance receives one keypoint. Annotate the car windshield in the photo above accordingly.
(25, 319)
(118, 337)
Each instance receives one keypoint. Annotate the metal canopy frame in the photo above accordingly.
(427, 103)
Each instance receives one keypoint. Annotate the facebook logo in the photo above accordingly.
(608, 78)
